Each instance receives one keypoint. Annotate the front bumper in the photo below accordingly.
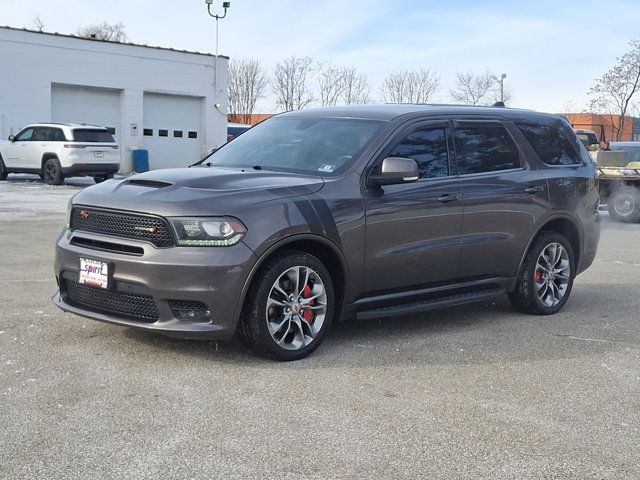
(208, 275)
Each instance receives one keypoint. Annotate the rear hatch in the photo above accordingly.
(93, 145)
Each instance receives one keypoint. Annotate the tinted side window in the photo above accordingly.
(550, 144)
(485, 148)
(25, 135)
(429, 149)
(58, 135)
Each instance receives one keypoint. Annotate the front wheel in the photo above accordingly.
(3, 170)
(289, 307)
(52, 172)
(624, 204)
(547, 276)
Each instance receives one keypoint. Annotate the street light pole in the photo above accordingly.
(502, 77)
(225, 6)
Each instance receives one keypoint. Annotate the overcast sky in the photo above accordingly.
(551, 50)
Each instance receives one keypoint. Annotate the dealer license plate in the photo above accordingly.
(99, 154)
(94, 273)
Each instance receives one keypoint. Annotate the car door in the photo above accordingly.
(504, 196)
(39, 145)
(17, 149)
(413, 230)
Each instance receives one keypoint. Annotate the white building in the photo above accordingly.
(160, 99)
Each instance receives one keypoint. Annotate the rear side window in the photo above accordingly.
(550, 144)
(429, 149)
(92, 135)
(485, 148)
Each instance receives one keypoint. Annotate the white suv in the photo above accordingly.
(55, 151)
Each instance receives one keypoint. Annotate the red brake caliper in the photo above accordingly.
(538, 277)
(308, 314)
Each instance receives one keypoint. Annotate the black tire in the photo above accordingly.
(3, 170)
(525, 297)
(102, 178)
(253, 325)
(624, 204)
(52, 172)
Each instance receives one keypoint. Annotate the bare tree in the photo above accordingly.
(331, 83)
(410, 86)
(472, 89)
(290, 83)
(37, 23)
(112, 32)
(247, 85)
(356, 87)
(615, 90)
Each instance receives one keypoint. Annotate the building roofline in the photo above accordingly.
(78, 37)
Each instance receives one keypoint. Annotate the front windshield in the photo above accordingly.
(322, 146)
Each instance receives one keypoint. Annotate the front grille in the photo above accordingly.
(125, 225)
(139, 307)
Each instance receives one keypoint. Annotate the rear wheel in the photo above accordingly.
(52, 172)
(289, 307)
(624, 204)
(3, 170)
(547, 276)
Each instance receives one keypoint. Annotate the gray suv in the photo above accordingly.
(316, 216)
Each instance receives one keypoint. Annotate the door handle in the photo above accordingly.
(448, 198)
(535, 189)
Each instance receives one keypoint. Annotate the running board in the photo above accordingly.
(433, 303)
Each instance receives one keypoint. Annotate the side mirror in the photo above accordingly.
(12, 138)
(395, 170)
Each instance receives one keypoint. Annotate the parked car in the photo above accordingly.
(318, 215)
(55, 151)
(235, 129)
(588, 138)
(619, 180)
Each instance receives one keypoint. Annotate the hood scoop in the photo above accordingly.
(142, 182)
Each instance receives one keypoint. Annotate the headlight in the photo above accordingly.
(208, 232)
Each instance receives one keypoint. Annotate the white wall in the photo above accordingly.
(31, 62)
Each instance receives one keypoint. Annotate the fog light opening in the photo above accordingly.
(190, 311)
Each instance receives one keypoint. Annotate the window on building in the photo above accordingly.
(429, 149)
(112, 130)
(485, 148)
(550, 144)
(147, 132)
(177, 133)
(163, 133)
(193, 134)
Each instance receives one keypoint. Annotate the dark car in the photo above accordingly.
(320, 215)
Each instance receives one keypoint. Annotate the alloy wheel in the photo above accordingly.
(552, 274)
(296, 307)
(624, 204)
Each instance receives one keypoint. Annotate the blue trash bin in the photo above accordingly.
(140, 160)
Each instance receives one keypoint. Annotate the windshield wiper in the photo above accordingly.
(257, 167)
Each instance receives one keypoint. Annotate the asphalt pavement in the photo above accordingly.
(477, 392)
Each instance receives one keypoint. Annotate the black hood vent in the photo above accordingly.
(149, 183)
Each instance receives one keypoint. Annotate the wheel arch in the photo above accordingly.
(47, 156)
(322, 248)
(564, 225)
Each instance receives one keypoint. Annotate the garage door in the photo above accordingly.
(172, 129)
(77, 104)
